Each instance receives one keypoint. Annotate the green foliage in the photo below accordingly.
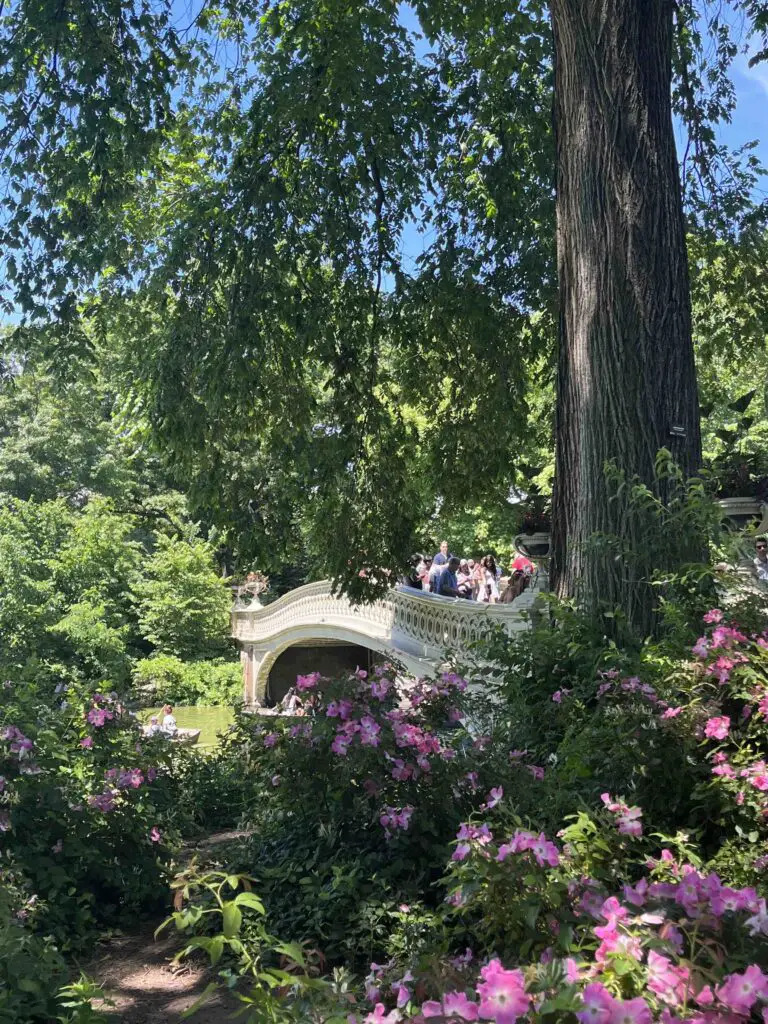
(166, 678)
(87, 92)
(210, 788)
(31, 968)
(30, 535)
(321, 387)
(274, 978)
(88, 591)
(182, 603)
(98, 647)
(76, 1000)
(58, 442)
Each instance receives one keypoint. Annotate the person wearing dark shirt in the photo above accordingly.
(447, 584)
(441, 558)
(413, 579)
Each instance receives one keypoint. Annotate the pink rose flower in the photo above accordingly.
(494, 797)
(454, 1004)
(369, 731)
(502, 994)
(380, 1016)
(740, 992)
(308, 682)
(717, 728)
(341, 744)
(598, 1004)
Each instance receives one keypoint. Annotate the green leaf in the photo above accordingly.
(250, 900)
(292, 950)
(232, 919)
(215, 949)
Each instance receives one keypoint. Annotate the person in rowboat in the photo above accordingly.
(168, 726)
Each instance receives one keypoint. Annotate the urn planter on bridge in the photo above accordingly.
(535, 546)
(744, 512)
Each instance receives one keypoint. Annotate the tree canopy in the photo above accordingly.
(229, 206)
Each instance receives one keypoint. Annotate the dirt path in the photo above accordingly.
(136, 973)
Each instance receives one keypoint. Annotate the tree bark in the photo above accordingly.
(626, 374)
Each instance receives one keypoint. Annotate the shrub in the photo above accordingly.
(353, 808)
(31, 968)
(81, 811)
(165, 677)
(209, 788)
(598, 717)
(593, 927)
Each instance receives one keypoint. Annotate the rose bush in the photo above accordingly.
(649, 904)
(81, 793)
(353, 808)
(674, 943)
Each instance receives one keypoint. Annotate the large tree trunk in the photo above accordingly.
(627, 379)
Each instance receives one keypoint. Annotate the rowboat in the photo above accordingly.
(188, 737)
(185, 737)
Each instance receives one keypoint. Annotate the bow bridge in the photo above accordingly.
(311, 629)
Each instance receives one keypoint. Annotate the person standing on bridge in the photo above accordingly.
(446, 583)
(423, 570)
(464, 578)
(489, 585)
(442, 556)
(413, 579)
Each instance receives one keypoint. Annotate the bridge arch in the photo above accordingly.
(412, 627)
(258, 660)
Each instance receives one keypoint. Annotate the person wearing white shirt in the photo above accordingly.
(761, 559)
(168, 726)
(489, 584)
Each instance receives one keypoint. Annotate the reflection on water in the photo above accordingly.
(210, 721)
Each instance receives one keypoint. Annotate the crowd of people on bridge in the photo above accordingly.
(479, 579)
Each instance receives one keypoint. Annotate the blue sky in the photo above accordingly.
(750, 119)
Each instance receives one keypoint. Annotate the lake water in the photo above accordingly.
(211, 721)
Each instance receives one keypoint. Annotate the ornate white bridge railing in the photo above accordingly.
(414, 627)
